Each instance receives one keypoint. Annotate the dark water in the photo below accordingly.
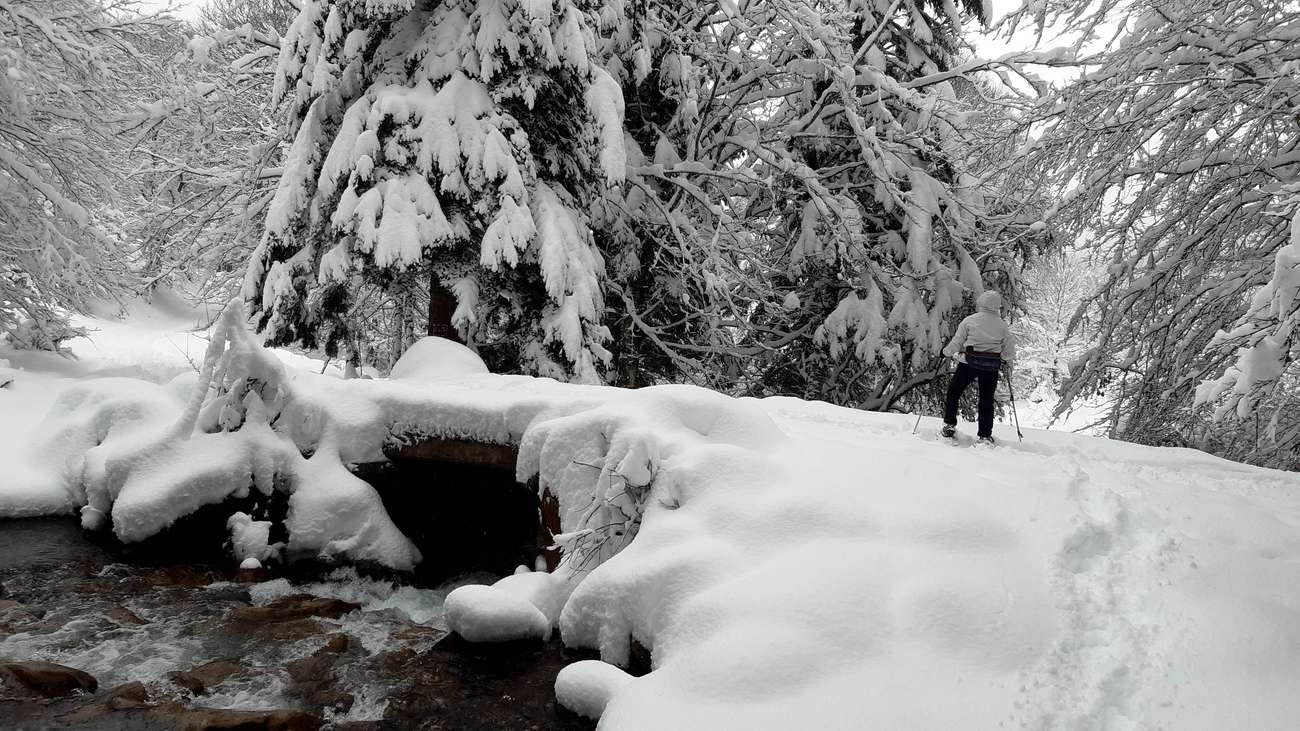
(33, 542)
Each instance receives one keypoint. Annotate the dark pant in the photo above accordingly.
(988, 383)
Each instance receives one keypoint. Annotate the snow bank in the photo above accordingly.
(798, 565)
(133, 455)
(27, 486)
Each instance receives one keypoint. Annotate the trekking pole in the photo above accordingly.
(1016, 417)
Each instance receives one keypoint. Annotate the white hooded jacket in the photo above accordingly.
(984, 331)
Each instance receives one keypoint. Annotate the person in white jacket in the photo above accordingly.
(982, 344)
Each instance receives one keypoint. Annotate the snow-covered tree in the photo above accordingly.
(1053, 286)
(68, 70)
(205, 151)
(676, 235)
(883, 221)
(781, 157)
(458, 143)
(1176, 152)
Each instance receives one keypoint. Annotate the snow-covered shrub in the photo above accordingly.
(139, 459)
(49, 332)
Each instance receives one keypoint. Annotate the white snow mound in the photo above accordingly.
(487, 614)
(433, 358)
(585, 687)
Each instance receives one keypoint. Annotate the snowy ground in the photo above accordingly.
(800, 565)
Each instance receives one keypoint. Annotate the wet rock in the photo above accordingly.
(398, 658)
(459, 685)
(200, 679)
(311, 669)
(299, 606)
(127, 696)
(186, 575)
(335, 700)
(419, 632)
(19, 610)
(336, 643)
(188, 682)
(212, 719)
(314, 681)
(49, 679)
(124, 616)
(296, 629)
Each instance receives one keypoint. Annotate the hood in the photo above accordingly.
(990, 301)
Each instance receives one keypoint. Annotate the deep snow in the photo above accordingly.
(794, 565)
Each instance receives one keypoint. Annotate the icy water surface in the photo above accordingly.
(44, 541)
(339, 648)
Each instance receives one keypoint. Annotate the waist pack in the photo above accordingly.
(983, 361)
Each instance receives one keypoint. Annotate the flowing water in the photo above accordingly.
(377, 658)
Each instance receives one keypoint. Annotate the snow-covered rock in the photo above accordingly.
(433, 358)
(250, 540)
(586, 686)
(487, 614)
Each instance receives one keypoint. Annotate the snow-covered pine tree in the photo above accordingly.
(1178, 151)
(883, 222)
(457, 143)
(68, 70)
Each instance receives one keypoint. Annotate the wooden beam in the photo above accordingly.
(455, 451)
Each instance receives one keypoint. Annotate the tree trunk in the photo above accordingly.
(442, 303)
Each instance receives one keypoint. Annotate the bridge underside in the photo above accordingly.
(459, 502)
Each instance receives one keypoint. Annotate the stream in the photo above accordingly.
(189, 645)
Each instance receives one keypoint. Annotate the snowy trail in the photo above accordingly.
(1089, 678)
(1158, 617)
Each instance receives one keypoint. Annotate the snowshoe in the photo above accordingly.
(948, 431)
(986, 442)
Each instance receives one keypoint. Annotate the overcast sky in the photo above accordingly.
(188, 9)
(984, 45)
